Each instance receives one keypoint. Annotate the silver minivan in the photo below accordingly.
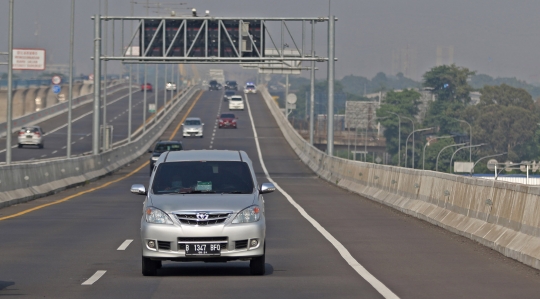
(32, 135)
(203, 205)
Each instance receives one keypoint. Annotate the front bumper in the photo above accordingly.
(227, 125)
(192, 133)
(236, 107)
(32, 141)
(163, 234)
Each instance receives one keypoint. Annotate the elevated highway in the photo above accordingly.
(323, 241)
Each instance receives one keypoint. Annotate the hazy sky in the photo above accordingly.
(497, 37)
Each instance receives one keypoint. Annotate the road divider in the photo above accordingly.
(500, 215)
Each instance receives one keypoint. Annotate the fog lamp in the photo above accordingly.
(253, 243)
(151, 244)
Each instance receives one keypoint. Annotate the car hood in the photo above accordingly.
(226, 119)
(202, 202)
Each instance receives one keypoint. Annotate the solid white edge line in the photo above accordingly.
(94, 278)
(125, 244)
(372, 280)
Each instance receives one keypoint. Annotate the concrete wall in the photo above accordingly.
(503, 216)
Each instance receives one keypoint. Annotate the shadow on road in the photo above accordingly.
(209, 269)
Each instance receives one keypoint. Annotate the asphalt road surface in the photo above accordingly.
(81, 248)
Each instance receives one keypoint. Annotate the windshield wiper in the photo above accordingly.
(235, 192)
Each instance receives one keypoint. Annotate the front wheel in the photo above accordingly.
(149, 267)
(256, 265)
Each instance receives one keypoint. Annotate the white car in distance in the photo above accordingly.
(236, 103)
(250, 88)
(170, 86)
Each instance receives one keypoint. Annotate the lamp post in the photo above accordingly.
(451, 145)
(412, 122)
(399, 137)
(70, 88)
(490, 156)
(407, 143)
(424, 150)
(470, 136)
(468, 146)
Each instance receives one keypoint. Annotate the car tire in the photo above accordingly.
(201, 136)
(257, 264)
(150, 267)
(40, 145)
(19, 145)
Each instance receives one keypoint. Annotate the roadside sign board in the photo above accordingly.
(56, 80)
(56, 89)
(152, 108)
(29, 59)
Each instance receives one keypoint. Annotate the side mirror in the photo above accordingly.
(138, 189)
(267, 188)
(203, 124)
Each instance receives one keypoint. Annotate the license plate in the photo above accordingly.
(203, 249)
(29, 136)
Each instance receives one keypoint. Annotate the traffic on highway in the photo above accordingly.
(319, 238)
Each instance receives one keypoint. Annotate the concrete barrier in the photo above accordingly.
(23, 182)
(500, 215)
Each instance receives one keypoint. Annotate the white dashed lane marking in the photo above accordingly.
(81, 138)
(94, 278)
(64, 147)
(54, 152)
(125, 244)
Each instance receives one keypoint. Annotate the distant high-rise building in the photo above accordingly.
(404, 61)
(445, 55)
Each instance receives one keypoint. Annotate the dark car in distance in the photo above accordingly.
(231, 85)
(160, 148)
(227, 120)
(228, 94)
(214, 85)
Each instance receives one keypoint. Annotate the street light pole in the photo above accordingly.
(490, 156)
(10, 85)
(451, 145)
(331, 74)
(97, 84)
(468, 146)
(470, 136)
(424, 150)
(407, 141)
(399, 137)
(312, 87)
(70, 88)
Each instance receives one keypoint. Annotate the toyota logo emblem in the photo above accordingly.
(202, 216)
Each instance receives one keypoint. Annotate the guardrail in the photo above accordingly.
(500, 215)
(25, 181)
(54, 110)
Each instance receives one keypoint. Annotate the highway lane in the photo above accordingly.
(56, 128)
(52, 251)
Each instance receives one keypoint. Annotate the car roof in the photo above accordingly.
(169, 142)
(206, 155)
(236, 96)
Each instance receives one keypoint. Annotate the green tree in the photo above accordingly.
(449, 84)
(506, 119)
(403, 103)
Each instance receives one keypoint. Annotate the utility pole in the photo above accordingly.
(97, 83)
(70, 89)
(331, 74)
(312, 87)
(10, 85)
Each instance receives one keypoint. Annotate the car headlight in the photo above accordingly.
(157, 216)
(155, 158)
(251, 214)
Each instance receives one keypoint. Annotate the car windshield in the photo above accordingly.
(236, 99)
(250, 86)
(229, 92)
(193, 123)
(168, 147)
(227, 115)
(232, 83)
(30, 130)
(233, 177)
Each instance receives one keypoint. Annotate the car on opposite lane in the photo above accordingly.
(170, 86)
(31, 135)
(192, 127)
(203, 205)
(236, 103)
(227, 120)
(231, 85)
(161, 147)
(147, 87)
